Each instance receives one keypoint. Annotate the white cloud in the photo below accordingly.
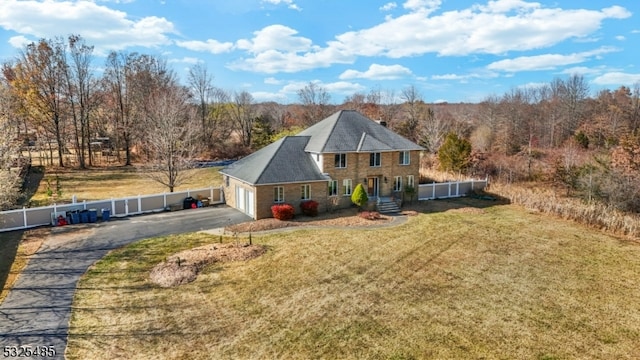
(290, 4)
(546, 61)
(277, 48)
(388, 6)
(339, 87)
(449, 77)
(343, 87)
(497, 28)
(186, 60)
(617, 79)
(422, 4)
(275, 37)
(377, 72)
(263, 96)
(211, 46)
(582, 70)
(621, 38)
(105, 28)
(19, 41)
(272, 81)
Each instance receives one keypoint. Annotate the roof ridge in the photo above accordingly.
(332, 128)
(364, 135)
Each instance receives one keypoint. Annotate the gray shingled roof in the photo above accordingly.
(350, 131)
(280, 162)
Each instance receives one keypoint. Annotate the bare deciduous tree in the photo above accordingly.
(243, 115)
(201, 86)
(315, 101)
(173, 137)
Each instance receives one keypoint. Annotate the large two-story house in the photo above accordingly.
(324, 163)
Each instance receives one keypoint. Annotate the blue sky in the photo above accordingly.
(455, 51)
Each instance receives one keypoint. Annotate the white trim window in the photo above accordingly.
(404, 158)
(347, 186)
(410, 181)
(397, 183)
(375, 159)
(341, 161)
(333, 188)
(278, 194)
(305, 192)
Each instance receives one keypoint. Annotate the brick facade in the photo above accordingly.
(264, 196)
(358, 169)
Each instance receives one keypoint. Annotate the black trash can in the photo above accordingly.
(188, 202)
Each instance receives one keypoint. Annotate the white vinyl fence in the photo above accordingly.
(449, 189)
(31, 217)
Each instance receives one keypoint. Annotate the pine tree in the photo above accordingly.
(359, 196)
(454, 154)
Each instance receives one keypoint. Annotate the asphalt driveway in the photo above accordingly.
(37, 311)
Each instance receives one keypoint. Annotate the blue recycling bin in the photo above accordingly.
(84, 216)
(75, 217)
(106, 214)
(93, 215)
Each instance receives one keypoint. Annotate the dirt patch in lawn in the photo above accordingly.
(183, 267)
(339, 218)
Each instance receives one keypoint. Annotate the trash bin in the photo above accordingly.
(84, 216)
(188, 202)
(106, 214)
(93, 215)
(75, 217)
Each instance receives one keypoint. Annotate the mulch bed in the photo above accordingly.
(183, 267)
(338, 218)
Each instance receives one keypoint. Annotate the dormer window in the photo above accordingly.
(341, 161)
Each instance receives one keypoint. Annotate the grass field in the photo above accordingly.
(498, 282)
(106, 183)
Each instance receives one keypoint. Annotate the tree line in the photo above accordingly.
(55, 98)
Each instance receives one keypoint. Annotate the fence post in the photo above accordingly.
(471, 184)
(458, 188)
(188, 192)
(433, 190)
(113, 207)
(126, 207)
(449, 183)
(139, 204)
(211, 193)
(24, 216)
(84, 204)
(164, 197)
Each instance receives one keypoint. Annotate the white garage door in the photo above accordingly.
(245, 200)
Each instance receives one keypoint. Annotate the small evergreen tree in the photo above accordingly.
(455, 153)
(359, 196)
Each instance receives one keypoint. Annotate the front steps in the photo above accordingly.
(385, 205)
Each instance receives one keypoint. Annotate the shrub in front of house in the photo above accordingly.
(309, 207)
(282, 211)
(359, 196)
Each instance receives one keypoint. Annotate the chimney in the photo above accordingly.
(382, 122)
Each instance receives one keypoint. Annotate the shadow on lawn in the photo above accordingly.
(8, 250)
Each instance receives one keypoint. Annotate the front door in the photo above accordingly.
(372, 187)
